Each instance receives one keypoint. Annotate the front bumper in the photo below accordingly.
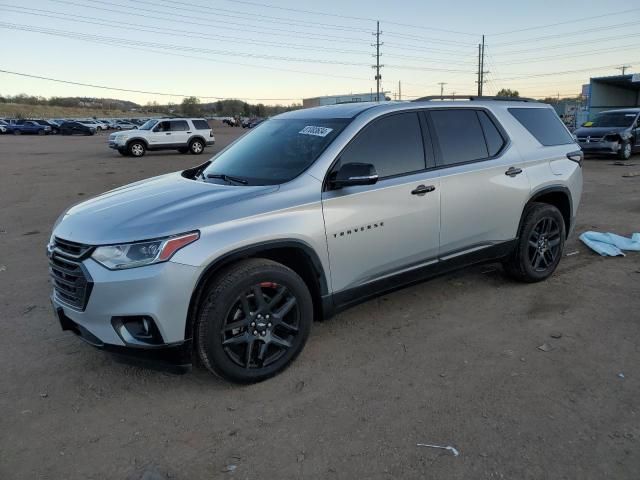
(161, 292)
(600, 147)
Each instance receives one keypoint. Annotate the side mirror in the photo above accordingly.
(354, 174)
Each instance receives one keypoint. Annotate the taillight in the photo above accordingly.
(211, 133)
(576, 156)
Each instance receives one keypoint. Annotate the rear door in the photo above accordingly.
(483, 183)
(375, 231)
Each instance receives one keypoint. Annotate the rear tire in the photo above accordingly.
(136, 149)
(625, 150)
(196, 146)
(540, 244)
(17, 132)
(254, 320)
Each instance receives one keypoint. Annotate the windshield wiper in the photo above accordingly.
(228, 178)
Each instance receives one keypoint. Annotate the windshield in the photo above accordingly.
(276, 151)
(613, 119)
(148, 125)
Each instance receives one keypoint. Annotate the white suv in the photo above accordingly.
(182, 134)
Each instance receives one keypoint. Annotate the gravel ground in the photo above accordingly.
(454, 361)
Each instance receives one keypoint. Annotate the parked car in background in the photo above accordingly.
(124, 125)
(28, 127)
(54, 126)
(230, 121)
(3, 126)
(612, 132)
(76, 128)
(95, 124)
(311, 213)
(182, 134)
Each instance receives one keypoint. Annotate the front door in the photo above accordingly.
(378, 230)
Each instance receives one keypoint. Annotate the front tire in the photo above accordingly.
(254, 320)
(136, 149)
(540, 244)
(625, 150)
(196, 146)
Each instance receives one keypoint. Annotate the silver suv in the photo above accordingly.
(313, 211)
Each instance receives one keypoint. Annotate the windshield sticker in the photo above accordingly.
(316, 131)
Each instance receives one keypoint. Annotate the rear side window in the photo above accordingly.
(543, 124)
(492, 135)
(459, 135)
(201, 125)
(179, 126)
(393, 145)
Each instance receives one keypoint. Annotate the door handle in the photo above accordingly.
(168, 133)
(512, 172)
(188, 132)
(422, 189)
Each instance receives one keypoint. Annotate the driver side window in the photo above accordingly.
(162, 127)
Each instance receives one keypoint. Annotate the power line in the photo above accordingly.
(536, 75)
(261, 18)
(164, 30)
(326, 14)
(124, 41)
(118, 89)
(262, 67)
(287, 32)
(567, 34)
(572, 21)
(563, 45)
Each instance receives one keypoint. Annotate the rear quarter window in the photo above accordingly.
(543, 124)
(201, 125)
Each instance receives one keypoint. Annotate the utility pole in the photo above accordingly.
(481, 70)
(479, 81)
(442, 84)
(399, 90)
(377, 66)
(624, 68)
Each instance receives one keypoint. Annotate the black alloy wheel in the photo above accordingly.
(539, 245)
(261, 326)
(254, 320)
(544, 244)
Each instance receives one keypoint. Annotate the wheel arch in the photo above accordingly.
(557, 195)
(295, 254)
(141, 139)
(197, 137)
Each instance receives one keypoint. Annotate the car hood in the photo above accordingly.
(153, 208)
(597, 131)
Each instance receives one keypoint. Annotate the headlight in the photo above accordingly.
(130, 255)
(611, 138)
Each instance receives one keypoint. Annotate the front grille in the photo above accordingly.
(72, 283)
(590, 139)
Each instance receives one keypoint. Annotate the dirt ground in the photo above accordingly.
(454, 361)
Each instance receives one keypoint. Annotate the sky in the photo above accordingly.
(280, 51)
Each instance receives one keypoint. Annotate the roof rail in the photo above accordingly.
(473, 98)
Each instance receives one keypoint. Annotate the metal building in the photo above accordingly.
(346, 98)
(619, 91)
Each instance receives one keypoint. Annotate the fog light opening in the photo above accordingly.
(137, 330)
